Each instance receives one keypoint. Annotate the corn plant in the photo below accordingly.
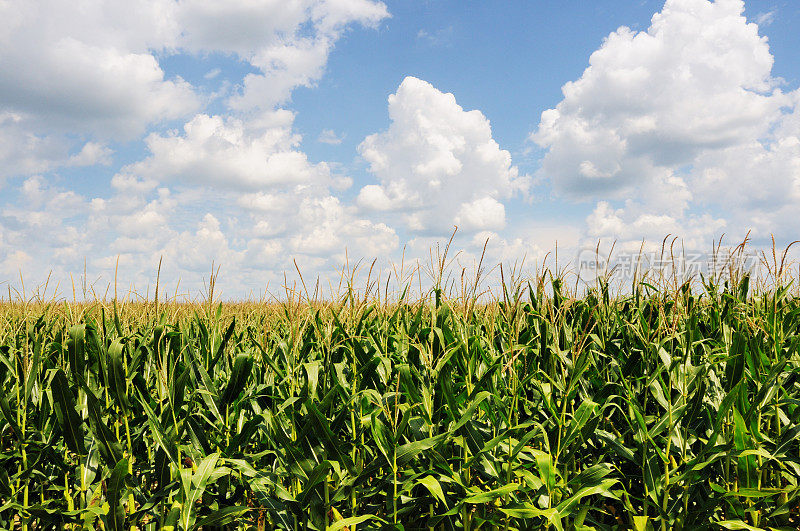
(662, 408)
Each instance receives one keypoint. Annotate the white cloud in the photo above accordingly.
(373, 197)
(14, 264)
(248, 28)
(90, 154)
(40, 224)
(74, 76)
(439, 37)
(230, 153)
(765, 18)
(328, 136)
(485, 213)
(330, 230)
(697, 79)
(635, 222)
(195, 250)
(438, 163)
(278, 199)
(23, 153)
(288, 43)
(233, 187)
(129, 184)
(255, 146)
(678, 118)
(211, 74)
(110, 85)
(277, 204)
(680, 129)
(110, 82)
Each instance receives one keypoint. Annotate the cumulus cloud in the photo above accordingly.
(287, 42)
(438, 164)
(90, 154)
(485, 213)
(697, 79)
(41, 224)
(109, 82)
(279, 201)
(680, 128)
(110, 85)
(73, 77)
(196, 250)
(23, 153)
(232, 186)
(330, 230)
(230, 153)
(635, 223)
(678, 118)
(254, 236)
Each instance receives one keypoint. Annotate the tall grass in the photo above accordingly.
(670, 406)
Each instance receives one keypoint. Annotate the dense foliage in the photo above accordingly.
(662, 409)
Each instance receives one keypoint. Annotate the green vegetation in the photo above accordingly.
(664, 408)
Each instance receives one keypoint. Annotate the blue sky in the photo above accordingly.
(254, 134)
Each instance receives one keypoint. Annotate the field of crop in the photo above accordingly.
(662, 408)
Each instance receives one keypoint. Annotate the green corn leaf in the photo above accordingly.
(178, 390)
(107, 444)
(225, 339)
(433, 486)
(317, 476)
(382, 437)
(173, 517)
(590, 476)
(159, 435)
(355, 520)
(312, 377)
(641, 523)
(194, 485)
(242, 367)
(33, 372)
(544, 463)
(566, 507)
(489, 495)
(527, 512)
(328, 438)
(204, 386)
(585, 412)
(737, 524)
(468, 414)
(10, 418)
(116, 487)
(116, 375)
(408, 451)
(76, 348)
(68, 418)
(222, 517)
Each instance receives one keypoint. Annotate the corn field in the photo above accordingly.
(657, 409)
